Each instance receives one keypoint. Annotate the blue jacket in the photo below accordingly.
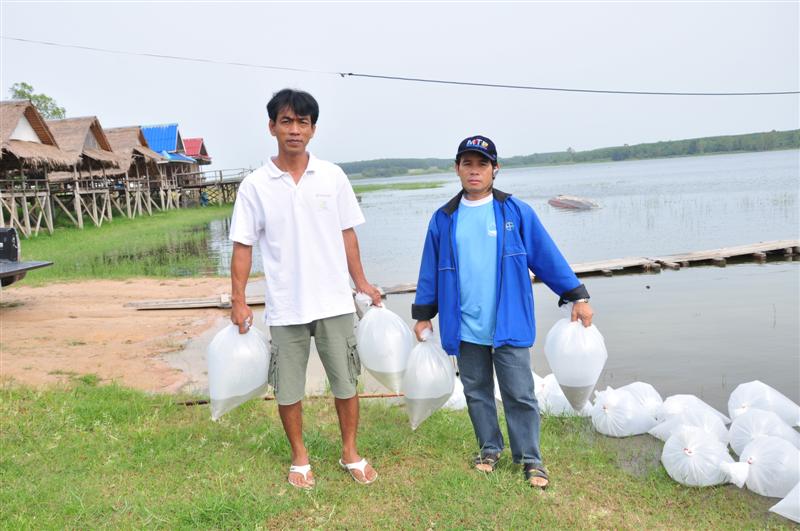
(523, 245)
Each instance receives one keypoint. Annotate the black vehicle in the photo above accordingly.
(11, 269)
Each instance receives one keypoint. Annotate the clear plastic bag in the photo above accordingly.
(384, 343)
(694, 458)
(617, 413)
(428, 381)
(774, 466)
(759, 395)
(755, 423)
(457, 400)
(789, 507)
(646, 395)
(677, 404)
(237, 368)
(576, 355)
(696, 418)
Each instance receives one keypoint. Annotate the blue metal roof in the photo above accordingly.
(162, 137)
(177, 157)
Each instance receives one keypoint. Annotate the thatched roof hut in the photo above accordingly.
(128, 143)
(25, 139)
(84, 138)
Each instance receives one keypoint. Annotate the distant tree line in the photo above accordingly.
(772, 140)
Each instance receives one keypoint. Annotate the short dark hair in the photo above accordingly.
(302, 103)
(458, 159)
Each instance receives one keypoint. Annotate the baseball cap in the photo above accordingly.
(479, 144)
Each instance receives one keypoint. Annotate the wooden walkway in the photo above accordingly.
(720, 257)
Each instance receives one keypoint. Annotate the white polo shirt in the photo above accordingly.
(298, 228)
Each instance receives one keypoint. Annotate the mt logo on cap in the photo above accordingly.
(478, 144)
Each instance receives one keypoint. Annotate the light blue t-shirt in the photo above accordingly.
(476, 253)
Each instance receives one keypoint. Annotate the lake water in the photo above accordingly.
(701, 330)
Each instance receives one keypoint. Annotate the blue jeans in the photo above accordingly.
(513, 367)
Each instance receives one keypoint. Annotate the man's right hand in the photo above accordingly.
(420, 326)
(242, 315)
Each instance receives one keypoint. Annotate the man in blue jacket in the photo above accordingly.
(475, 267)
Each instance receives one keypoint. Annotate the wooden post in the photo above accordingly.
(78, 205)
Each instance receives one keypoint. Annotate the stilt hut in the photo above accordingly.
(196, 148)
(28, 151)
(166, 140)
(143, 172)
(94, 166)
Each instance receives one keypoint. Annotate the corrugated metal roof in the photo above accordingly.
(162, 137)
(177, 157)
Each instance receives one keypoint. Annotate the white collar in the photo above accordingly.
(478, 202)
(275, 172)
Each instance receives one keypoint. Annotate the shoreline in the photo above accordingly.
(57, 332)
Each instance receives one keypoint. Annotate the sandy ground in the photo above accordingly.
(51, 333)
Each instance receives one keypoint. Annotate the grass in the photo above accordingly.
(364, 188)
(166, 244)
(87, 456)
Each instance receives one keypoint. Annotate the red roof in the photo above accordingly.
(195, 148)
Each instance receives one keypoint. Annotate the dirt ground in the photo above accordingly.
(51, 333)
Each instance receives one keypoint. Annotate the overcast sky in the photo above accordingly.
(631, 46)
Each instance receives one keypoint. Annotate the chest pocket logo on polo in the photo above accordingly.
(323, 200)
(491, 230)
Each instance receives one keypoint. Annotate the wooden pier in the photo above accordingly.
(758, 252)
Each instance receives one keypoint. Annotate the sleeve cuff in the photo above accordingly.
(574, 294)
(424, 312)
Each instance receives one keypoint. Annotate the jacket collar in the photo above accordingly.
(452, 205)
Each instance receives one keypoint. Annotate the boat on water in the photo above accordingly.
(572, 202)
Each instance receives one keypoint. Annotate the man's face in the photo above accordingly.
(475, 172)
(292, 132)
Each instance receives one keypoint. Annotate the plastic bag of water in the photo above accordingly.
(755, 423)
(789, 507)
(384, 342)
(761, 396)
(428, 381)
(695, 458)
(774, 466)
(576, 355)
(617, 413)
(237, 368)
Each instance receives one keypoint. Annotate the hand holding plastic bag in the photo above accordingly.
(384, 342)
(428, 381)
(237, 368)
(576, 355)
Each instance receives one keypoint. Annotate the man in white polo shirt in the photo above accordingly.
(301, 212)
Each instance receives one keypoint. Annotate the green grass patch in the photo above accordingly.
(88, 456)
(364, 188)
(167, 244)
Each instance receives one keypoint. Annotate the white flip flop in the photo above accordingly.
(361, 466)
(302, 470)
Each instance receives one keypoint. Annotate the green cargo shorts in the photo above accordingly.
(336, 345)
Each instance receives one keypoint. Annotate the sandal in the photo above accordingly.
(303, 470)
(486, 459)
(361, 466)
(533, 472)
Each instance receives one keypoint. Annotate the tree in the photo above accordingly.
(46, 105)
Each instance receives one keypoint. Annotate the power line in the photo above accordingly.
(398, 78)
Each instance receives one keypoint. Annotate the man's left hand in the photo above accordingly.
(370, 290)
(582, 311)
